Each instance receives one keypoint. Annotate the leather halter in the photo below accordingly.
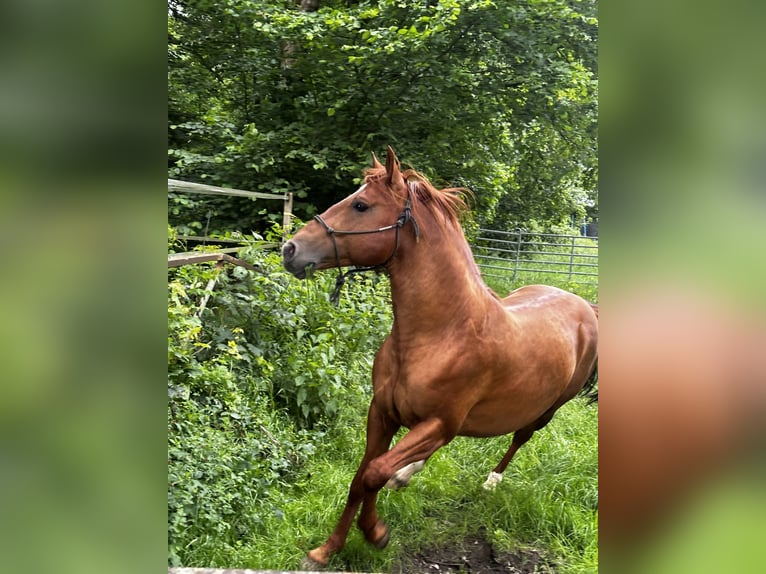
(404, 217)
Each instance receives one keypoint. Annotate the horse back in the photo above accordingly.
(539, 303)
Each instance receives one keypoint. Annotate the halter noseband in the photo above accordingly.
(404, 217)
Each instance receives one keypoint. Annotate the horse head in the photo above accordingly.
(361, 230)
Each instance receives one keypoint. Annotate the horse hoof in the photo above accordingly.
(401, 478)
(309, 565)
(313, 563)
(395, 483)
(383, 542)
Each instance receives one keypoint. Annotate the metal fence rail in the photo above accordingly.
(511, 254)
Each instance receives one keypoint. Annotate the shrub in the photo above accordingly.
(254, 381)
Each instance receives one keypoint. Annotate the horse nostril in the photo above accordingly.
(288, 251)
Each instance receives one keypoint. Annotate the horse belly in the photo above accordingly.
(487, 420)
(513, 404)
(538, 372)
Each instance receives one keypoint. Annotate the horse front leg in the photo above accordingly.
(409, 453)
(374, 529)
(423, 439)
(380, 431)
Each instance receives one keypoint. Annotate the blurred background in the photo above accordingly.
(82, 314)
(683, 272)
(682, 277)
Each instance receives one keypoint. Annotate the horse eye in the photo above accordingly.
(359, 206)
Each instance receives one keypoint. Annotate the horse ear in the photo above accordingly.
(375, 163)
(392, 167)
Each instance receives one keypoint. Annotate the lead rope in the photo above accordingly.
(340, 279)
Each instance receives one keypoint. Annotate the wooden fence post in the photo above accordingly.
(287, 216)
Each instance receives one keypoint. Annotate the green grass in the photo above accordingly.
(546, 501)
(504, 285)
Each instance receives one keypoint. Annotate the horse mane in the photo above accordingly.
(448, 202)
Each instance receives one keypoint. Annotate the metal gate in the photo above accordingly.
(521, 254)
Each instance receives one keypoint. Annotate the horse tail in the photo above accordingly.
(589, 389)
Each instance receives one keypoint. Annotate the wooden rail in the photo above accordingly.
(178, 186)
(189, 187)
(190, 257)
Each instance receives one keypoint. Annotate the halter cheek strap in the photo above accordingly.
(404, 217)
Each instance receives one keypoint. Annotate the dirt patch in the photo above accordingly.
(475, 555)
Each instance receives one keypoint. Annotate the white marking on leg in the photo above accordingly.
(401, 477)
(493, 480)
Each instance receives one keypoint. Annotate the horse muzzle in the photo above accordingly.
(297, 259)
(292, 262)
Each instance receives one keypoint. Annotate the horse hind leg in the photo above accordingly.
(525, 433)
(520, 437)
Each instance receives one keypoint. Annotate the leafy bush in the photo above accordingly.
(254, 381)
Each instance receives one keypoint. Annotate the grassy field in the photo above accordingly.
(252, 487)
(547, 501)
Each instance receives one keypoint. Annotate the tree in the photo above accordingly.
(499, 97)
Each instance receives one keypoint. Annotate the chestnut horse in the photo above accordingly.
(459, 360)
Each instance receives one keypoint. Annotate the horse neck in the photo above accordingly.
(435, 280)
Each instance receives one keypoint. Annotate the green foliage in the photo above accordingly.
(496, 96)
(253, 382)
(547, 501)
